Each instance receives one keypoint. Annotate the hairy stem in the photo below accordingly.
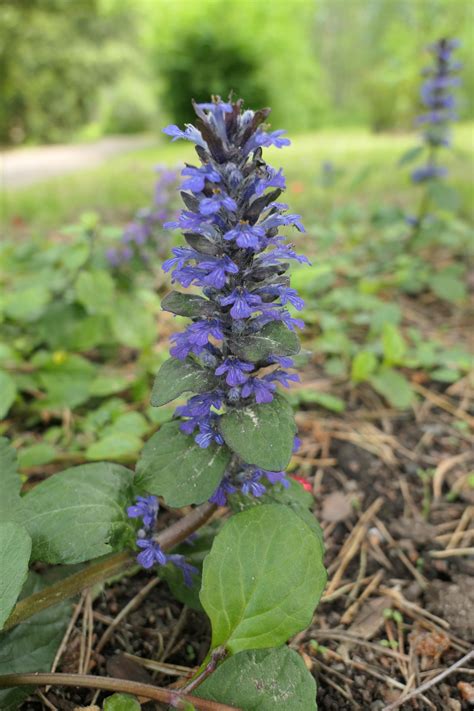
(123, 686)
(105, 569)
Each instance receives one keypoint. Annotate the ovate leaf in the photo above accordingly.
(262, 579)
(31, 645)
(273, 339)
(394, 387)
(262, 680)
(36, 455)
(8, 392)
(261, 434)
(189, 305)
(410, 155)
(95, 291)
(176, 377)
(448, 285)
(363, 365)
(394, 346)
(79, 513)
(11, 504)
(119, 445)
(173, 466)
(15, 550)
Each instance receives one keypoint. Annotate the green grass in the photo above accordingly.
(368, 163)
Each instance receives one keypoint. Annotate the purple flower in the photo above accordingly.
(219, 200)
(220, 495)
(245, 235)
(190, 134)
(290, 296)
(428, 172)
(261, 139)
(151, 553)
(276, 478)
(284, 361)
(244, 303)
(200, 405)
(214, 271)
(252, 484)
(235, 370)
(273, 179)
(188, 570)
(195, 338)
(208, 434)
(181, 256)
(145, 508)
(282, 377)
(198, 176)
(261, 389)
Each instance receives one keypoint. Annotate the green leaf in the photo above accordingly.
(31, 646)
(109, 384)
(121, 702)
(173, 466)
(15, 550)
(26, 304)
(393, 343)
(176, 377)
(262, 579)
(36, 455)
(363, 365)
(273, 339)
(410, 155)
(132, 324)
(262, 680)
(444, 196)
(445, 375)
(189, 305)
(95, 291)
(79, 513)
(261, 434)
(8, 392)
(66, 378)
(11, 504)
(448, 285)
(68, 327)
(326, 400)
(114, 446)
(394, 387)
(133, 423)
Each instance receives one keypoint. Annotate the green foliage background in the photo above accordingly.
(111, 66)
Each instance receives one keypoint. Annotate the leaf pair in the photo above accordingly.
(261, 582)
(173, 466)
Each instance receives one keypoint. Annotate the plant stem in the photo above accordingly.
(217, 656)
(156, 693)
(105, 569)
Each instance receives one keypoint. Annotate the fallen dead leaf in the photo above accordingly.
(336, 507)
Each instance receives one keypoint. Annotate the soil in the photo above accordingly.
(398, 609)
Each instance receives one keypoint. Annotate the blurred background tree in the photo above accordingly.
(92, 67)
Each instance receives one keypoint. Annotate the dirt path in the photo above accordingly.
(25, 166)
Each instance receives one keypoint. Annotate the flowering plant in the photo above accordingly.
(143, 238)
(230, 443)
(439, 112)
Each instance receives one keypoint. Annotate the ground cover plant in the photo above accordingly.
(383, 418)
(233, 355)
